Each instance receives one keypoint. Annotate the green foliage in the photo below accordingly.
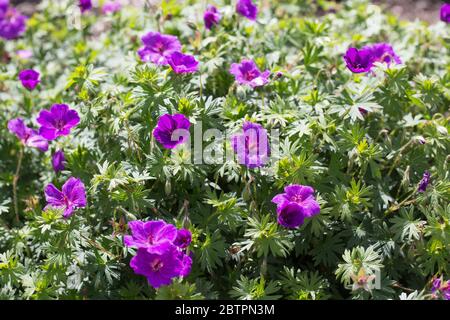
(362, 141)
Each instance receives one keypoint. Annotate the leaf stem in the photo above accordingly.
(15, 181)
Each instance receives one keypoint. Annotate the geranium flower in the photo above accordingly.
(157, 47)
(58, 160)
(362, 60)
(247, 73)
(211, 17)
(85, 5)
(27, 136)
(171, 130)
(159, 269)
(182, 63)
(358, 61)
(111, 7)
(296, 204)
(252, 145)
(12, 23)
(423, 184)
(445, 12)
(58, 121)
(71, 197)
(155, 236)
(247, 9)
(29, 78)
(183, 239)
(301, 195)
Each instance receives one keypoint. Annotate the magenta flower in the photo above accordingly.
(247, 73)
(247, 9)
(183, 239)
(12, 23)
(159, 269)
(186, 264)
(172, 130)
(296, 204)
(182, 63)
(111, 7)
(445, 12)
(4, 4)
(157, 47)
(29, 78)
(58, 160)
(155, 236)
(58, 121)
(85, 5)
(72, 196)
(290, 215)
(358, 61)
(252, 145)
(211, 17)
(362, 60)
(423, 184)
(383, 52)
(27, 136)
(440, 287)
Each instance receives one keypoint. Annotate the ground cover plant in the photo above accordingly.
(245, 149)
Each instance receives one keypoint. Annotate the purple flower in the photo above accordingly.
(29, 78)
(155, 236)
(58, 160)
(441, 287)
(72, 196)
(362, 60)
(183, 239)
(247, 9)
(58, 121)
(4, 4)
(252, 145)
(28, 136)
(186, 264)
(423, 184)
(211, 17)
(182, 63)
(85, 5)
(157, 47)
(172, 130)
(111, 7)
(302, 196)
(445, 12)
(290, 215)
(358, 61)
(159, 268)
(383, 52)
(12, 23)
(248, 73)
(296, 204)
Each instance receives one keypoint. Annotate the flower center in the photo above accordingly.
(156, 265)
(250, 75)
(60, 124)
(150, 239)
(297, 198)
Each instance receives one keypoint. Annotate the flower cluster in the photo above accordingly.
(161, 251)
(362, 60)
(296, 204)
(12, 23)
(163, 49)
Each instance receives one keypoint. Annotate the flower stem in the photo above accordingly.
(15, 181)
